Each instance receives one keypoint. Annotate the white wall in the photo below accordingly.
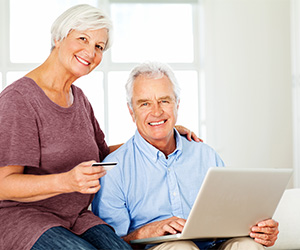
(248, 73)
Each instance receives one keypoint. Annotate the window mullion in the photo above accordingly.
(153, 1)
(198, 62)
(4, 42)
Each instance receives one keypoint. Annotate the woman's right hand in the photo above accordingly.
(84, 178)
(16, 186)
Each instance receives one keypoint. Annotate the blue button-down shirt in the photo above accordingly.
(145, 186)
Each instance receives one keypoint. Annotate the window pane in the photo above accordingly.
(14, 75)
(161, 32)
(120, 124)
(30, 38)
(92, 86)
(1, 82)
(188, 114)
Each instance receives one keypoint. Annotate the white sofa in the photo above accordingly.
(288, 216)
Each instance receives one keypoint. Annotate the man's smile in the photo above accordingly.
(157, 123)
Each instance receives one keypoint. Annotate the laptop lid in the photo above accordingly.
(230, 201)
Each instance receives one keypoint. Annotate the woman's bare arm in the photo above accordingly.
(16, 186)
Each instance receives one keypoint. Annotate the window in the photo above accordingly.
(295, 24)
(141, 33)
(169, 39)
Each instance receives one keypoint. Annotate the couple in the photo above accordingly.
(49, 139)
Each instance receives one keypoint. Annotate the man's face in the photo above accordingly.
(154, 109)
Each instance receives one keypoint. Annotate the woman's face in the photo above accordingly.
(81, 51)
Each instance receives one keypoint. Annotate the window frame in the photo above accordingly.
(107, 65)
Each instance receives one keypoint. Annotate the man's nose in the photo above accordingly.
(157, 109)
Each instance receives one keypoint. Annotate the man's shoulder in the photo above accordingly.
(195, 145)
(201, 151)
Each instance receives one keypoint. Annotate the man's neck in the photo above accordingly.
(166, 146)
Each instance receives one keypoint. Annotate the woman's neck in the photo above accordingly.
(55, 83)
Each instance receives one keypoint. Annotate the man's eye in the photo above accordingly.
(82, 38)
(145, 104)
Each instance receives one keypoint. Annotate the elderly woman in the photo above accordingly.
(49, 139)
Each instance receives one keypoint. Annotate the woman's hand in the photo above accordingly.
(16, 186)
(188, 133)
(84, 178)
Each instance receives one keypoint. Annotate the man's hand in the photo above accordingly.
(265, 232)
(172, 225)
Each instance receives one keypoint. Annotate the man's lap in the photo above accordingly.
(242, 243)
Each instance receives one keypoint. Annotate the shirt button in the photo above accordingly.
(174, 194)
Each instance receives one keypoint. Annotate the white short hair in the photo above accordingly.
(153, 70)
(80, 17)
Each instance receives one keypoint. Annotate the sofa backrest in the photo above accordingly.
(288, 216)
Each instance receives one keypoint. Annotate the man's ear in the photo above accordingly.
(131, 112)
(178, 104)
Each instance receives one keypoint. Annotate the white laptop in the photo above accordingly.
(230, 202)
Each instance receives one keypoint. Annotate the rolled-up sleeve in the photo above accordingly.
(109, 203)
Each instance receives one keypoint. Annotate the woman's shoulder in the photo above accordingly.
(80, 96)
(23, 86)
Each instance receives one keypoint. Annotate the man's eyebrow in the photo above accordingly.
(142, 101)
(165, 97)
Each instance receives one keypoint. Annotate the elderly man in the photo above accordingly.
(152, 189)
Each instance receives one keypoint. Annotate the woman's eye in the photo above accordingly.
(82, 38)
(99, 47)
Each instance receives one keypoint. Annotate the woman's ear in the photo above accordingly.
(57, 43)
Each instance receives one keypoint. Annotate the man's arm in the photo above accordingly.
(265, 232)
(172, 225)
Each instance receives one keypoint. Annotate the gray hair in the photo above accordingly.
(80, 17)
(153, 70)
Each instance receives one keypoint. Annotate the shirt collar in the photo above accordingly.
(153, 153)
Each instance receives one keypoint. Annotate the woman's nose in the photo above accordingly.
(90, 51)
